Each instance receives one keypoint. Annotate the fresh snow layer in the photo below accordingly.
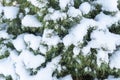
(19, 43)
(105, 40)
(76, 51)
(50, 38)
(63, 3)
(78, 32)
(43, 73)
(68, 77)
(114, 60)
(38, 3)
(7, 68)
(85, 7)
(4, 35)
(10, 12)
(72, 12)
(31, 21)
(21, 59)
(1, 9)
(56, 15)
(108, 5)
(30, 60)
(32, 41)
(102, 57)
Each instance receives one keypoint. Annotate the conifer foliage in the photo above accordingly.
(59, 39)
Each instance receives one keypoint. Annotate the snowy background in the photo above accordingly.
(36, 38)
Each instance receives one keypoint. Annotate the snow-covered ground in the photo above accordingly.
(22, 60)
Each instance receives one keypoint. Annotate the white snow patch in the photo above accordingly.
(77, 33)
(85, 7)
(108, 5)
(68, 77)
(21, 71)
(42, 49)
(105, 40)
(39, 4)
(4, 34)
(68, 40)
(31, 21)
(56, 15)
(7, 68)
(72, 12)
(112, 78)
(76, 51)
(19, 43)
(1, 8)
(114, 60)
(30, 60)
(10, 12)
(46, 73)
(63, 3)
(102, 57)
(50, 38)
(104, 21)
(32, 41)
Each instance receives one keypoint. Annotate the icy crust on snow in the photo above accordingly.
(31, 21)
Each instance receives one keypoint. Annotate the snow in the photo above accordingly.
(31, 21)
(114, 60)
(46, 73)
(108, 5)
(105, 40)
(102, 57)
(19, 43)
(32, 41)
(39, 4)
(112, 78)
(42, 49)
(1, 9)
(68, 77)
(10, 12)
(78, 32)
(63, 3)
(7, 67)
(4, 35)
(50, 38)
(104, 21)
(56, 15)
(72, 12)
(85, 7)
(30, 60)
(76, 51)
(21, 59)
(67, 40)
